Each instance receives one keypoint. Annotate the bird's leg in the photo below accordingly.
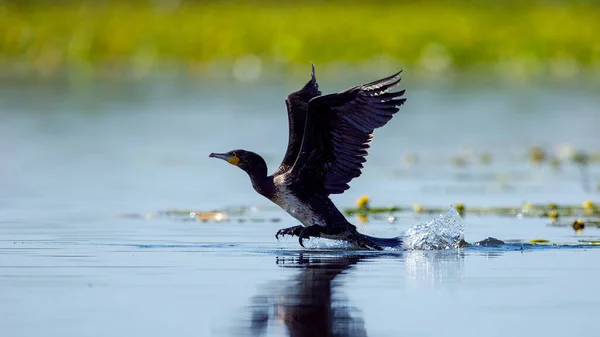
(302, 232)
(293, 231)
(314, 231)
(346, 232)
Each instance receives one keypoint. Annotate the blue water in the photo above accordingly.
(88, 169)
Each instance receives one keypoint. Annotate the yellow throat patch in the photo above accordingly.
(234, 161)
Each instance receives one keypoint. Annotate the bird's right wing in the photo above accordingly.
(297, 108)
(338, 131)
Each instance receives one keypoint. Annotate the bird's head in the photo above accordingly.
(248, 161)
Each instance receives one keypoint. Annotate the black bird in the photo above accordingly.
(310, 304)
(329, 138)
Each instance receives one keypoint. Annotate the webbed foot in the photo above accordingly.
(314, 231)
(293, 231)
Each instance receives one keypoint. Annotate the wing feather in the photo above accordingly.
(339, 128)
(297, 108)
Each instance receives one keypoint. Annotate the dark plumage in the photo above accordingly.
(329, 137)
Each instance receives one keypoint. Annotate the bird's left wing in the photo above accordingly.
(338, 131)
(297, 108)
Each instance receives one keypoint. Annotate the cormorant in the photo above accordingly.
(329, 137)
(311, 303)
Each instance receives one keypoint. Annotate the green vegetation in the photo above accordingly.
(577, 215)
(550, 211)
(520, 38)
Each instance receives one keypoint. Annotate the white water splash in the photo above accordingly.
(443, 232)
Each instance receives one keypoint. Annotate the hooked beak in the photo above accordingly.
(228, 158)
(223, 156)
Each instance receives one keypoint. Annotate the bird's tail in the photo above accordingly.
(371, 242)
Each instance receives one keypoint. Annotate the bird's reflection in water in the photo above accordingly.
(311, 303)
(305, 305)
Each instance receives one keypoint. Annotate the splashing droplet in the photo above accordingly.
(444, 232)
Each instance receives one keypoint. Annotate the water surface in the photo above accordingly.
(84, 250)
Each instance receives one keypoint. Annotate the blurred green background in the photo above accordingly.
(516, 39)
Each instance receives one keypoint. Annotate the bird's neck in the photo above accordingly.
(263, 186)
(259, 179)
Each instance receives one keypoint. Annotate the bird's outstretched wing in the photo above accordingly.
(297, 107)
(338, 131)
